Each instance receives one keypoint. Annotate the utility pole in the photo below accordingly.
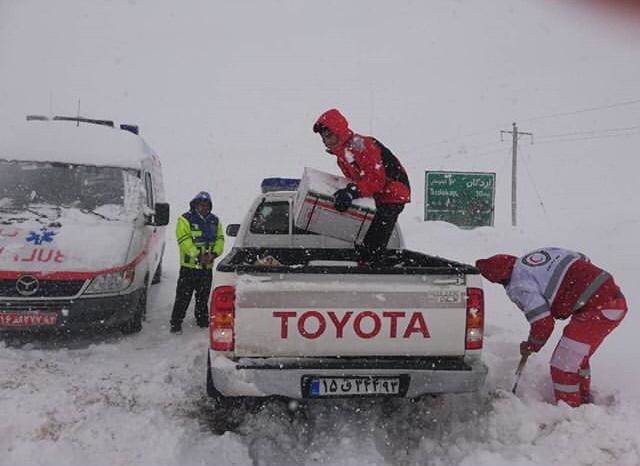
(514, 167)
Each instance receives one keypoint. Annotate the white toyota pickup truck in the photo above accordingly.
(294, 315)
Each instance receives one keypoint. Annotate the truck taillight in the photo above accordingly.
(475, 318)
(223, 305)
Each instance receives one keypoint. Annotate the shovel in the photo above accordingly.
(523, 361)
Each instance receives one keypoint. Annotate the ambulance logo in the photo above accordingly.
(536, 259)
(46, 236)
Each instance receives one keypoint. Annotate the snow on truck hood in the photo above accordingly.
(63, 141)
(72, 243)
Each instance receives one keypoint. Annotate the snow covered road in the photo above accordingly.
(110, 399)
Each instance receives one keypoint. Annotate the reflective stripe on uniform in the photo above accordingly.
(564, 388)
(183, 238)
(558, 273)
(537, 313)
(591, 289)
(613, 314)
(569, 354)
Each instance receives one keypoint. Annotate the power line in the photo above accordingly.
(592, 132)
(535, 188)
(584, 110)
(607, 136)
(541, 117)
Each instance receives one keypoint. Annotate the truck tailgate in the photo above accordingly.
(350, 315)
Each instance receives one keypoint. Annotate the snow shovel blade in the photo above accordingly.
(523, 361)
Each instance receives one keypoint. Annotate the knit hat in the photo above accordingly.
(498, 268)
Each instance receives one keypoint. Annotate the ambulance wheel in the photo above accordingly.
(134, 325)
(157, 276)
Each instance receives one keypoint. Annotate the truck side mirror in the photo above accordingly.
(232, 229)
(161, 214)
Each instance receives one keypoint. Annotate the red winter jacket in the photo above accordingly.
(366, 162)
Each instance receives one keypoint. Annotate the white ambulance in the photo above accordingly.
(82, 225)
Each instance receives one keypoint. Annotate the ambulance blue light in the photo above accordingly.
(279, 184)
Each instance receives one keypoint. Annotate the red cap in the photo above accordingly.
(498, 268)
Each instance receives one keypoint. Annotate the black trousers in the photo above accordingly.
(377, 237)
(190, 280)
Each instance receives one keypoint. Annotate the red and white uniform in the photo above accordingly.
(555, 283)
(366, 162)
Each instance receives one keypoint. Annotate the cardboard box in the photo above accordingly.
(314, 210)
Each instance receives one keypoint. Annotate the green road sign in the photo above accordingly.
(465, 199)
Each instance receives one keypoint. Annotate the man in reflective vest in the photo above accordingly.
(554, 283)
(200, 240)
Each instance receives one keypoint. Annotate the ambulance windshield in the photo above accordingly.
(24, 185)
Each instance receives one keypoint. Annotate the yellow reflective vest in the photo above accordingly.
(196, 236)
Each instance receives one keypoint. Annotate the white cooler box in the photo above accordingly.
(314, 210)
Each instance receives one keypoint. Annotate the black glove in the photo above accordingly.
(345, 196)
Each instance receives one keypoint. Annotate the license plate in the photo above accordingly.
(350, 386)
(27, 319)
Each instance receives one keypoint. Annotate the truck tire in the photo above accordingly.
(221, 401)
(229, 412)
(211, 389)
(134, 325)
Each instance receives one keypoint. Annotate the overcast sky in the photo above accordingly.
(217, 83)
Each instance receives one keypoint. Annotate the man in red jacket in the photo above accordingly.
(373, 171)
(554, 283)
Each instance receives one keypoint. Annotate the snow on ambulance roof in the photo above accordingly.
(66, 141)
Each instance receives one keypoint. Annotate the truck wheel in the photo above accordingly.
(134, 325)
(228, 411)
(211, 389)
(219, 399)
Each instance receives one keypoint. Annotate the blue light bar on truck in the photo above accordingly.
(279, 184)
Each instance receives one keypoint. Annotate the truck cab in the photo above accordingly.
(269, 222)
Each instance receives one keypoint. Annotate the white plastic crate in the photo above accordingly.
(314, 210)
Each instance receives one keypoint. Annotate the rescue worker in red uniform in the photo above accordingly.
(373, 171)
(553, 283)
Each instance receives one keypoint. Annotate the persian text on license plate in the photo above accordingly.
(27, 319)
(344, 386)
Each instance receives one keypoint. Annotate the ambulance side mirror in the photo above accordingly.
(161, 216)
(232, 229)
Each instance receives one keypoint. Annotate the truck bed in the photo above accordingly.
(320, 302)
(339, 261)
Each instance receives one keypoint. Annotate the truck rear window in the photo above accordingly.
(272, 218)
